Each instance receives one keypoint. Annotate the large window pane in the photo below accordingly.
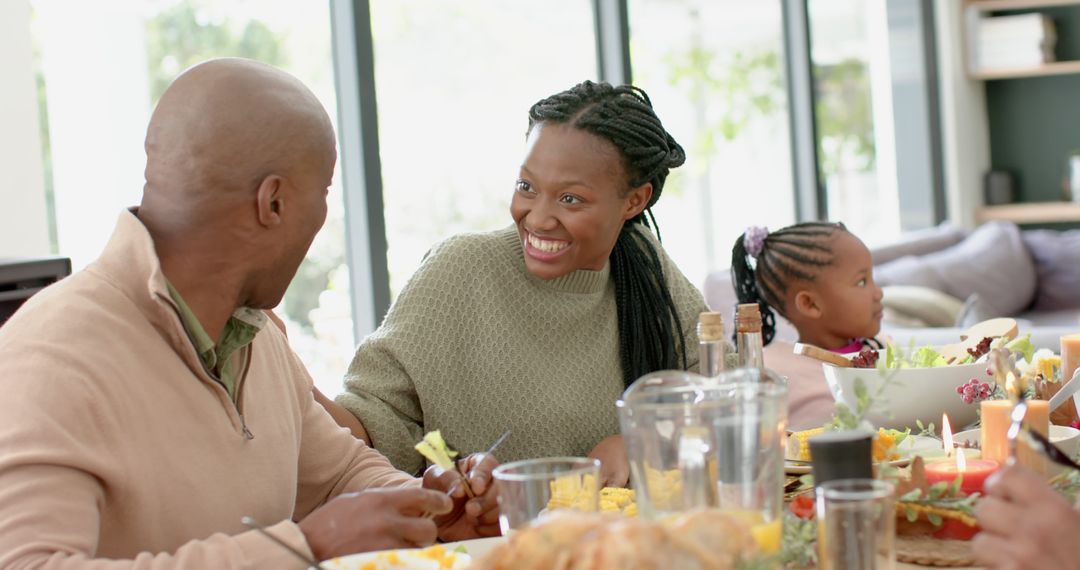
(714, 71)
(454, 82)
(853, 110)
(99, 89)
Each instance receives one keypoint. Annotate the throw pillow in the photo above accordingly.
(1057, 265)
(992, 261)
(919, 242)
(908, 304)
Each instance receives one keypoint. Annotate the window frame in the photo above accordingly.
(354, 65)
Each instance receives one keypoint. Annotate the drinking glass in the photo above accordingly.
(856, 525)
(529, 489)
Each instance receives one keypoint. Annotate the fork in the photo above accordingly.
(464, 479)
(250, 523)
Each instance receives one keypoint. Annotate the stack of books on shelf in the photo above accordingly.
(1012, 42)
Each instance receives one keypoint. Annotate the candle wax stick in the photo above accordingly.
(1037, 419)
(1070, 355)
(994, 432)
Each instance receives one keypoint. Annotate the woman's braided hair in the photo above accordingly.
(796, 252)
(650, 332)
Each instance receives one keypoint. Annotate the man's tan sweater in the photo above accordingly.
(116, 444)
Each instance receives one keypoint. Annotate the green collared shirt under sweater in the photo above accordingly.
(224, 359)
(474, 345)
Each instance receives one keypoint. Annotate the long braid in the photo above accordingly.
(796, 253)
(650, 331)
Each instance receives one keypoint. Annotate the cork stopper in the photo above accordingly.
(710, 327)
(747, 318)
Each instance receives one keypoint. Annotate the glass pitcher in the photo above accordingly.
(696, 442)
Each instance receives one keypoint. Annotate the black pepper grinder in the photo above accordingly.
(841, 455)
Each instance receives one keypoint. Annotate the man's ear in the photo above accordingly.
(806, 304)
(270, 199)
(637, 200)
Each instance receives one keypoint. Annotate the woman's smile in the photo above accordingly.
(543, 248)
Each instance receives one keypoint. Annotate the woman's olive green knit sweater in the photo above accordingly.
(475, 345)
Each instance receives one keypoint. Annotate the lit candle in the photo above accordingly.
(973, 473)
(1070, 355)
(994, 432)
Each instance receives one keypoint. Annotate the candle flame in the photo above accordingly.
(961, 463)
(1011, 387)
(946, 435)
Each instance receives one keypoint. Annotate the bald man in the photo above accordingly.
(147, 408)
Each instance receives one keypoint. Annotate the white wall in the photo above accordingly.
(24, 229)
(99, 104)
(964, 123)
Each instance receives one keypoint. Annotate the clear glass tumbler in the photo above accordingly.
(856, 525)
(529, 489)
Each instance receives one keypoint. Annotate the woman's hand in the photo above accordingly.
(470, 517)
(1025, 524)
(614, 467)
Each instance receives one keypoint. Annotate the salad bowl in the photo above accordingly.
(899, 398)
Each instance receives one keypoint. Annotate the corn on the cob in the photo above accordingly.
(798, 444)
(573, 492)
(1047, 365)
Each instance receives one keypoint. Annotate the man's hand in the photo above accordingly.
(614, 467)
(1025, 524)
(470, 517)
(377, 519)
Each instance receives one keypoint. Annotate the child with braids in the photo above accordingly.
(539, 327)
(817, 275)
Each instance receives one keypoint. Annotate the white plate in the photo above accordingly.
(407, 560)
(908, 448)
(477, 547)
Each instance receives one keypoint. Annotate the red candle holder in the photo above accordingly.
(973, 472)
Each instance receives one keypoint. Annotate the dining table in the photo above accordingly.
(479, 547)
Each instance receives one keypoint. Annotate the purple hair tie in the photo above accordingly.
(754, 240)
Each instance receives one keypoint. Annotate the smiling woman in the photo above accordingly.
(540, 326)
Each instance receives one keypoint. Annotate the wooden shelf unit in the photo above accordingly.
(1046, 69)
(1031, 213)
(999, 5)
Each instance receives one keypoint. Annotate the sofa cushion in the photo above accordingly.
(1057, 265)
(992, 262)
(910, 305)
(919, 242)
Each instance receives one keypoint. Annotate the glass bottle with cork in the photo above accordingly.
(712, 347)
(748, 339)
